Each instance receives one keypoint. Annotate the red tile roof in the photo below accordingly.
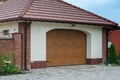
(49, 10)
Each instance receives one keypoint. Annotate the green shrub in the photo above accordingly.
(9, 68)
(112, 56)
(5, 57)
(118, 57)
(6, 65)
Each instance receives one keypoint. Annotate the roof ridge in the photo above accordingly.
(26, 8)
(89, 12)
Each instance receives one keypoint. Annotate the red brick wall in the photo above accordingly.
(22, 26)
(38, 64)
(104, 43)
(6, 45)
(13, 45)
(18, 49)
(21, 30)
(94, 61)
(28, 46)
(114, 37)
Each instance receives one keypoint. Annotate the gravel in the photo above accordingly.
(78, 72)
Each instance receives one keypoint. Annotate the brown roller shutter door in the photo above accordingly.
(66, 47)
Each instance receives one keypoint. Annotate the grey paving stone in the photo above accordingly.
(78, 72)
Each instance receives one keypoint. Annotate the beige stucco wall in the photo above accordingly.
(38, 38)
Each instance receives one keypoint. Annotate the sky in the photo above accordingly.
(109, 9)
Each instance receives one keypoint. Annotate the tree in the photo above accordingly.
(112, 56)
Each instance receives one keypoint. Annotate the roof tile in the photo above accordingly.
(49, 10)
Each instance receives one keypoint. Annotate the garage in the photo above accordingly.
(66, 47)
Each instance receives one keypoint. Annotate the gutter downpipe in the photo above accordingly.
(25, 47)
(107, 31)
(25, 44)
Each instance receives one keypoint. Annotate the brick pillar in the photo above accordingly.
(28, 47)
(22, 27)
(104, 43)
(18, 49)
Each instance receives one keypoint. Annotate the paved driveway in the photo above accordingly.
(79, 72)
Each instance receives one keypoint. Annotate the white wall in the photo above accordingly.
(38, 38)
(11, 26)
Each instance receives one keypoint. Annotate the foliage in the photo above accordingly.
(6, 65)
(112, 56)
(5, 57)
(118, 57)
(9, 68)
